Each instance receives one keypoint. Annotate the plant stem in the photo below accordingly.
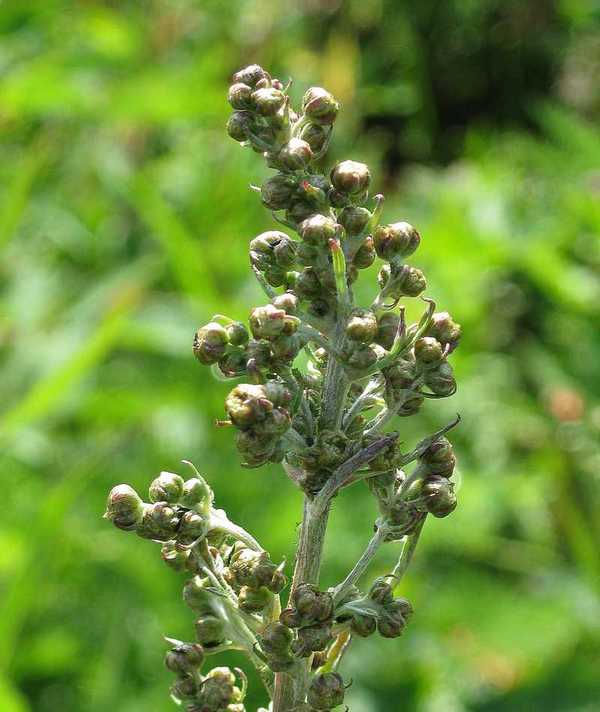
(406, 554)
(362, 564)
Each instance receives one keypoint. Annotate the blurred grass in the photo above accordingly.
(124, 223)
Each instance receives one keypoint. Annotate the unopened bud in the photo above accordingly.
(239, 96)
(354, 219)
(193, 526)
(185, 659)
(238, 125)
(159, 522)
(250, 75)
(277, 192)
(326, 691)
(361, 326)
(295, 155)
(315, 136)
(320, 106)
(381, 591)
(210, 631)
(311, 639)
(439, 458)
(195, 491)
(124, 507)
(288, 302)
(318, 229)
(401, 280)
(428, 351)
(365, 255)
(438, 494)
(396, 240)
(254, 600)
(175, 557)
(445, 330)
(167, 487)
(210, 343)
(441, 380)
(268, 101)
(351, 177)
(387, 328)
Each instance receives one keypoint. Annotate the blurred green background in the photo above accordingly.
(124, 223)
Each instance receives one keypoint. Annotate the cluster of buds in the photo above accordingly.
(324, 417)
(378, 611)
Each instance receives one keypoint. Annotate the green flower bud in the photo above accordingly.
(315, 136)
(259, 135)
(438, 495)
(363, 625)
(210, 631)
(360, 356)
(361, 326)
(354, 219)
(300, 211)
(197, 595)
(278, 191)
(441, 380)
(401, 280)
(320, 106)
(250, 75)
(238, 125)
(390, 626)
(268, 101)
(445, 330)
(268, 322)
(247, 404)
(218, 690)
(396, 240)
(237, 333)
(381, 592)
(185, 659)
(351, 177)
(439, 458)
(276, 639)
(307, 284)
(428, 351)
(317, 230)
(313, 605)
(254, 600)
(295, 155)
(175, 557)
(159, 522)
(286, 348)
(260, 352)
(210, 343)
(411, 405)
(311, 639)
(167, 487)
(288, 302)
(326, 691)
(195, 491)
(365, 255)
(387, 328)
(193, 526)
(273, 250)
(239, 96)
(401, 375)
(124, 508)
(184, 688)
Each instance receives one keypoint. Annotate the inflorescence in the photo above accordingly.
(365, 366)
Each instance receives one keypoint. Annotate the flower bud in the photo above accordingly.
(307, 284)
(354, 219)
(237, 333)
(195, 491)
(210, 343)
(317, 230)
(351, 177)
(276, 639)
(124, 507)
(439, 458)
(326, 691)
(268, 322)
(311, 639)
(365, 255)
(175, 557)
(363, 625)
(295, 155)
(268, 101)
(441, 380)
(185, 659)
(313, 605)
(184, 688)
(391, 626)
(387, 328)
(247, 404)
(401, 375)
(396, 240)
(159, 522)
(254, 600)
(239, 96)
(315, 136)
(438, 494)
(400, 280)
(167, 487)
(210, 631)
(360, 356)
(320, 106)
(250, 75)
(288, 302)
(361, 326)
(193, 526)
(197, 595)
(428, 351)
(381, 591)
(277, 192)
(445, 330)
(218, 690)
(238, 125)
(411, 405)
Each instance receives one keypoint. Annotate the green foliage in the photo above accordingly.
(124, 222)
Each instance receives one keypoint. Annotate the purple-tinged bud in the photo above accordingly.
(361, 356)
(317, 230)
(315, 136)
(277, 192)
(401, 280)
(238, 125)
(381, 591)
(363, 625)
(276, 639)
(254, 600)
(295, 155)
(387, 328)
(210, 631)
(361, 326)
(269, 323)
(240, 96)
(354, 219)
(218, 690)
(185, 659)
(441, 380)
(184, 688)
(250, 75)
(351, 177)
(396, 240)
(307, 284)
(195, 491)
(175, 557)
(288, 302)
(311, 639)
(326, 691)
(320, 106)
(411, 405)
(313, 605)
(439, 458)
(167, 487)
(365, 255)
(445, 330)
(428, 351)
(159, 522)
(124, 508)
(438, 495)
(193, 526)
(210, 343)
(237, 333)
(268, 101)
